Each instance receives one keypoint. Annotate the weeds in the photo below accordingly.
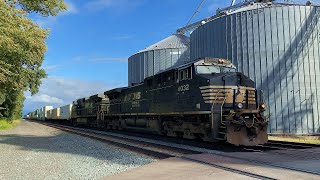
(5, 124)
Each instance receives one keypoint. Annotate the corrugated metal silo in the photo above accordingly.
(165, 54)
(277, 46)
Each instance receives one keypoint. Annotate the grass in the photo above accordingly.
(5, 125)
(299, 139)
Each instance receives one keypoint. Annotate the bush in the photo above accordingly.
(6, 124)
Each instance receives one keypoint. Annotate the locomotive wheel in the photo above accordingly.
(74, 122)
(187, 134)
(171, 133)
(120, 126)
(101, 125)
(105, 126)
(108, 125)
(208, 139)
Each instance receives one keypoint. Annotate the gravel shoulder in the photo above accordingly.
(35, 151)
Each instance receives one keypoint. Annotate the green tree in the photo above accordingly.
(44, 7)
(22, 49)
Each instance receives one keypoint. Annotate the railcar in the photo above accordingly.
(204, 99)
(90, 111)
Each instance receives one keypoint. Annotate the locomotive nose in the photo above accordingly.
(237, 79)
(232, 79)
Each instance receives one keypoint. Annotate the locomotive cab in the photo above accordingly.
(236, 105)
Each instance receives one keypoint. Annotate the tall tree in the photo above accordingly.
(22, 49)
(44, 7)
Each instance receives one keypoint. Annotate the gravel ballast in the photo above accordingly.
(35, 151)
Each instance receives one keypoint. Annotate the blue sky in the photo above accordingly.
(88, 45)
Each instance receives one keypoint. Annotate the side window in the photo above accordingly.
(171, 77)
(185, 74)
(190, 73)
(158, 80)
(149, 82)
(176, 76)
(181, 75)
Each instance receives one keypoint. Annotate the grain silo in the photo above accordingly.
(158, 57)
(276, 45)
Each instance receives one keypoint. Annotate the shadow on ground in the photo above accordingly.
(66, 143)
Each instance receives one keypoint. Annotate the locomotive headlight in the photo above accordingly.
(221, 61)
(240, 105)
(263, 106)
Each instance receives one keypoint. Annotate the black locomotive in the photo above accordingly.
(205, 99)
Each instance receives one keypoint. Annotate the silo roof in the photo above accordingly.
(174, 41)
(258, 5)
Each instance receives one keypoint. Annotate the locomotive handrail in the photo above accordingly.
(254, 117)
(212, 120)
(221, 109)
(98, 112)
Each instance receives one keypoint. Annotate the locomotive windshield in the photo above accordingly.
(208, 69)
(213, 65)
(228, 69)
(205, 69)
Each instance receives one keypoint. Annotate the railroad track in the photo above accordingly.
(162, 150)
(153, 149)
(218, 146)
(299, 150)
(271, 146)
(292, 145)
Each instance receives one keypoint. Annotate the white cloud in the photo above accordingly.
(101, 4)
(109, 59)
(44, 98)
(95, 59)
(50, 67)
(215, 4)
(71, 8)
(47, 22)
(97, 5)
(77, 59)
(59, 91)
(122, 37)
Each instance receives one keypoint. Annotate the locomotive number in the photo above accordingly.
(183, 88)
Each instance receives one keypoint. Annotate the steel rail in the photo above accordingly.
(153, 152)
(196, 150)
(297, 144)
(229, 169)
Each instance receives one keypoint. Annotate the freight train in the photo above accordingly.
(205, 99)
